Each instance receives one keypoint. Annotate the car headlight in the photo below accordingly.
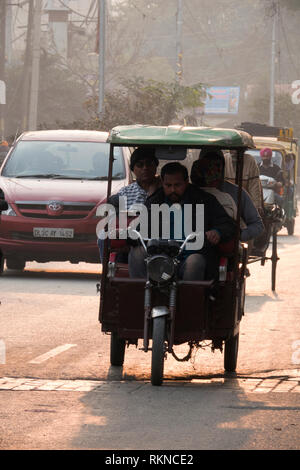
(9, 211)
(160, 268)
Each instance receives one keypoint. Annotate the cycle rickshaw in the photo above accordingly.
(161, 310)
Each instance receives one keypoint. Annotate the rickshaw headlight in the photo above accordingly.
(161, 268)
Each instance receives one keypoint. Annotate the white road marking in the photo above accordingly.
(52, 353)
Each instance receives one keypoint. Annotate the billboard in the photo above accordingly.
(222, 100)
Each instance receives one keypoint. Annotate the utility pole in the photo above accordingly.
(273, 60)
(102, 21)
(27, 69)
(9, 33)
(35, 76)
(179, 41)
(2, 65)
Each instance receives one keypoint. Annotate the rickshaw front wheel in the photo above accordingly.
(158, 350)
(117, 349)
(231, 353)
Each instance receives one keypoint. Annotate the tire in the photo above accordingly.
(158, 350)
(16, 264)
(274, 260)
(1, 263)
(231, 353)
(290, 225)
(117, 350)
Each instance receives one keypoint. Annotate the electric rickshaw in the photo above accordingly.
(163, 311)
(285, 155)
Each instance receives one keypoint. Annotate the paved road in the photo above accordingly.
(58, 390)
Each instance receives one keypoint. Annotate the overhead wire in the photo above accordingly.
(288, 46)
(221, 51)
(212, 40)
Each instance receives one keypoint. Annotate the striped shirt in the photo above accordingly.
(134, 193)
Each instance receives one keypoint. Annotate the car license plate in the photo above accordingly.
(45, 232)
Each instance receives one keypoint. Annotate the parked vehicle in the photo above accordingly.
(53, 182)
(163, 309)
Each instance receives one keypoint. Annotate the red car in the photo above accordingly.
(53, 182)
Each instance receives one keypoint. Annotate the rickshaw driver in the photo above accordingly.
(218, 226)
(268, 168)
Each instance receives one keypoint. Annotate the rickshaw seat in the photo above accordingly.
(117, 244)
(226, 248)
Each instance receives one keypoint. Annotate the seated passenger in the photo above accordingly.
(143, 163)
(251, 182)
(218, 226)
(209, 171)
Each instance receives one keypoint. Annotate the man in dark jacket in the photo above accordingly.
(217, 226)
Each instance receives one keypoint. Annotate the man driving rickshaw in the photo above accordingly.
(218, 226)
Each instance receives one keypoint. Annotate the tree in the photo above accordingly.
(141, 101)
(61, 96)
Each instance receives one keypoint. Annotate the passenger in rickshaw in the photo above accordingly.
(251, 181)
(269, 168)
(218, 226)
(208, 173)
(143, 163)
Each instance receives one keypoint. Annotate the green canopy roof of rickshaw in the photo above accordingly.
(136, 135)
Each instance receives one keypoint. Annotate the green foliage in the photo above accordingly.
(61, 96)
(141, 101)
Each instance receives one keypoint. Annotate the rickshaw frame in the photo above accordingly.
(221, 302)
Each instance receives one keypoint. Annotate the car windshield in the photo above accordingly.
(70, 160)
(276, 156)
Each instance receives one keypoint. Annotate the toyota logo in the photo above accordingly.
(55, 207)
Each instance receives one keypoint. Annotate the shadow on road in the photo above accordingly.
(174, 416)
(255, 302)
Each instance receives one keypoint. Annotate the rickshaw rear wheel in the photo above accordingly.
(274, 260)
(117, 350)
(158, 350)
(231, 353)
(290, 225)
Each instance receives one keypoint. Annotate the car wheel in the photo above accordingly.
(1, 263)
(16, 264)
